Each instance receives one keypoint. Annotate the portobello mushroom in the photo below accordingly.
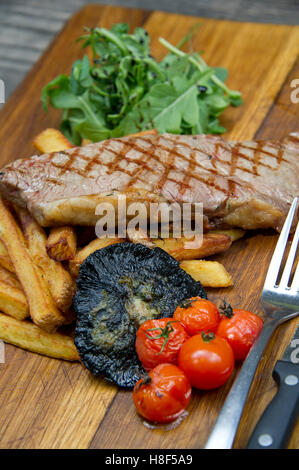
(118, 288)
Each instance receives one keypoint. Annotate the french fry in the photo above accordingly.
(9, 278)
(233, 233)
(42, 309)
(93, 246)
(62, 243)
(209, 273)
(13, 301)
(211, 244)
(86, 142)
(51, 140)
(140, 236)
(149, 132)
(59, 281)
(5, 260)
(139, 134)
(26, 335)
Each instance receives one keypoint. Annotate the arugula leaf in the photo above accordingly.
(62, 82)
(221, 73)
(124, 90)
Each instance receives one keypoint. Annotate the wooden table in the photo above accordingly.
(28, 26)
(50, 403)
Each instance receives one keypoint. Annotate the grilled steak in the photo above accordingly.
(243, 184)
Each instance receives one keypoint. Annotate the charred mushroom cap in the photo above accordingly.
(119, 287)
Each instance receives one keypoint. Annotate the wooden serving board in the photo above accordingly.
(46, 403)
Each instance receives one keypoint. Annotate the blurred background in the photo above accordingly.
(27, 27)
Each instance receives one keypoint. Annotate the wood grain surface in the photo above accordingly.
(27, 26)
(48, 403)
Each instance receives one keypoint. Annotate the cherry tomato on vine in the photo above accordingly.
(197, 315)
(207, 360)
(163, 395)
(240, 328)
(159, 341)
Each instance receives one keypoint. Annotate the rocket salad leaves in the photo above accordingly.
(124, 90)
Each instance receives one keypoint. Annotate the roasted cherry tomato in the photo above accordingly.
(163, 395)
(207, 360)
(240, 328)
(159, 341)
(197, 315)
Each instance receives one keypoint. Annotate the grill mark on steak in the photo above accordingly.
(114, 165)
(208, 155)
(169, 166)
(68, 166)
(149, 154)
(140, 164)
(235, 150)
(185, 184)
(143, 164)
(294, 138)
(187, 175)
(256, 158)
(183, 168)
(234, 159)
(175, 153)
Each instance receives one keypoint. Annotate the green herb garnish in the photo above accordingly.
(164, 333)
(124, 90)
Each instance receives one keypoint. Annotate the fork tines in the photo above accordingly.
(274, 268)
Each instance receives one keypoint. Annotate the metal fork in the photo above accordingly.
(280, 303)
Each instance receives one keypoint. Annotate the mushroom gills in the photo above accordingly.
(119, 287)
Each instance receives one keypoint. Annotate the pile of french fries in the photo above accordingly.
(38, 270)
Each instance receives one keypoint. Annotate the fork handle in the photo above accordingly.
(224, 431)
(274, 428)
